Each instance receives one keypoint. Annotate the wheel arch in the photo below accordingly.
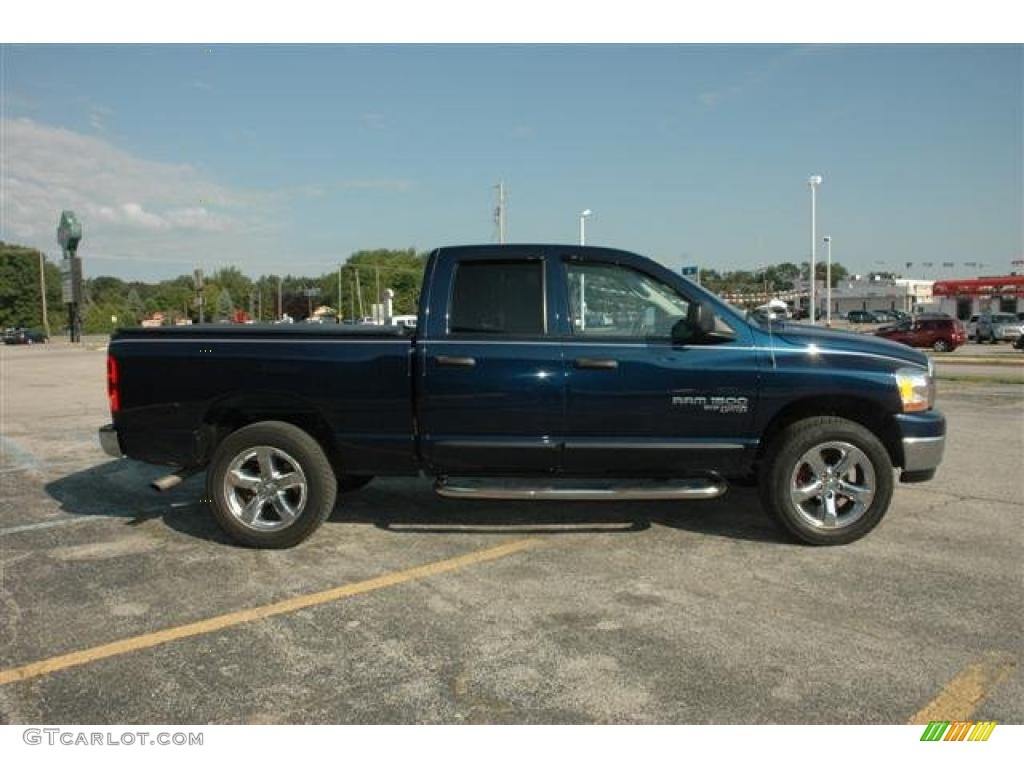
(860, 410)
(235, 411)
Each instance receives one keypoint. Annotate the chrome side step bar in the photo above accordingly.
(581, 490)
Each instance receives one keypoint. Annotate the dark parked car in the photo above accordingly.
(506, 389)
(859, 316)
(25, 336)
(943, 334)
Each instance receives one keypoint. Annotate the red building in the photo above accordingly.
(963, 298)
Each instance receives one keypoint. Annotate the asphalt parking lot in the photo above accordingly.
(121, 605)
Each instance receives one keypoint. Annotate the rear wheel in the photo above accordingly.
(271, 485)
(827, 480)
(941, 345)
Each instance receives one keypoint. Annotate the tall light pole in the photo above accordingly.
(813, 183)
(499, 213)
(42, 293)
(828, 280)
(584, 215)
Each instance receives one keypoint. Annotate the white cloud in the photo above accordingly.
(129, 206)
(98, 116)
(137, 210)
(134, 213)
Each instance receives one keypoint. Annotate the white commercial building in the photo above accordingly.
(877, 293)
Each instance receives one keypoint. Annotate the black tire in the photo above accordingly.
(350, 483)
(783, 463)
(941, 345)
(289, 445)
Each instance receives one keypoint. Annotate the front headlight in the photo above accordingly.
(916, 387)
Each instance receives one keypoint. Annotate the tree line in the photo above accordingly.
(772, 278)
(227, 290)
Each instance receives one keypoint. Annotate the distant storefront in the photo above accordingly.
(963, 298)
(860, 293)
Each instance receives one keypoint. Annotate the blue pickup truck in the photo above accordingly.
(534, 372)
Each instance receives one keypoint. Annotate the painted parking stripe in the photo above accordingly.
(289, 605)
(964, 693)
(55, 524)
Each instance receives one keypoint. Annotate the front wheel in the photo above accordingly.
(271, 485)
(827, 480)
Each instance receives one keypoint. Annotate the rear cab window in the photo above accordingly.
(500, 297)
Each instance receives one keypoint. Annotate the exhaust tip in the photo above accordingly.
(167, 482)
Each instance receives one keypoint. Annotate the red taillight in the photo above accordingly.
(113, 378)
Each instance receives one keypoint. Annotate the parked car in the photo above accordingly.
(971, 326)
(25, 336)
(887, 315)
(1000, 326)
(503, 393)
(859, 316)
(943, 334)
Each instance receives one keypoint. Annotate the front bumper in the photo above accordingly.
(110, 442)
(923, 437)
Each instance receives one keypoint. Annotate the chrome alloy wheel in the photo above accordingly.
(833, 485)
(265, 488)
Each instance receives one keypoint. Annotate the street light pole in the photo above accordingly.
(42, 293)
(813, 183)
(583, 225)
(280, 316)
(828, 281)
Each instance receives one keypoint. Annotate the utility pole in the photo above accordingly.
(197, 280)
(354, 315)
(379, 302)
(42, 293)
(359, 291)
(280, 316)
(828, 281)
(499, 213)
(340, 310)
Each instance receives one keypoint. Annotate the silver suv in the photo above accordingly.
(1000, 326)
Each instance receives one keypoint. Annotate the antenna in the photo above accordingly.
(499, 212)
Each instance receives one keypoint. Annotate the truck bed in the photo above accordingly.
(352, 384)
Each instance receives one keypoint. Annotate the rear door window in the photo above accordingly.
(498, 297)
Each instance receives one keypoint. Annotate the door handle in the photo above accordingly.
(596, 363)
(459, 362)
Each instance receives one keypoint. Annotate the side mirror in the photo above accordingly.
(698, 323)
(701, 317)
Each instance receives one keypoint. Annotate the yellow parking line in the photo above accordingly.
(224, 621)
(962, 695)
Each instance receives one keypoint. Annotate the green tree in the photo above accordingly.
(20, 303)
(234, 282)
(399, 270)
(225, 306)
(135, 309)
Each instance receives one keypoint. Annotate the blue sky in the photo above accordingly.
(288, 158)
